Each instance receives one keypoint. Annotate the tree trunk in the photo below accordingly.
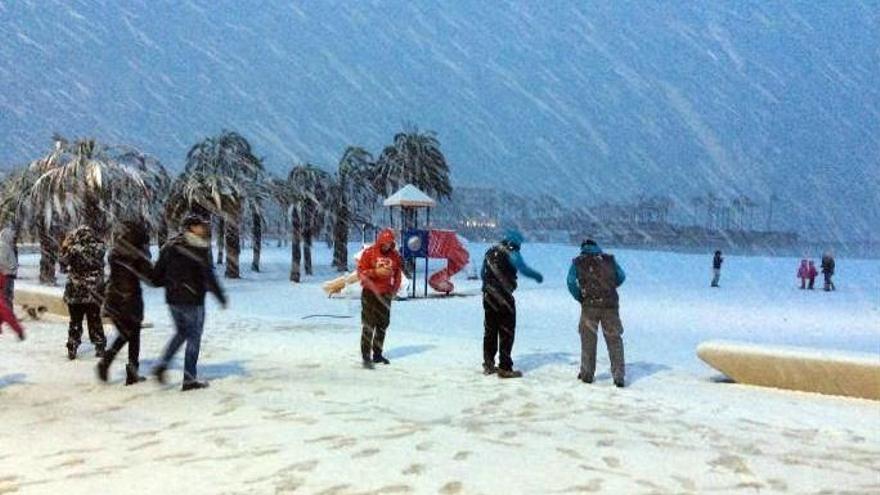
(221, 237)
(340, 243)
(295, 240)
(257, 240)
(233, 242)
(48, 257)
(307, 244)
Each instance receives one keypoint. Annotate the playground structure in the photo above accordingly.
(415, 243)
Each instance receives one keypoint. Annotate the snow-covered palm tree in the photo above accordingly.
(353, 199)
(222, 177)
(308, 191)
(415, 158)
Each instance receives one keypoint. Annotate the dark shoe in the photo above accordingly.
(380, 359)
(368, 364)
(618, 383)
(502, 373)
(103, 369)
(489, 369)
(584, 378)
(159, 373)
(71, 352)
(99, 351)
(194, 385)
(131, 375)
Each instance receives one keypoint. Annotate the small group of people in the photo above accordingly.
(807, 273)
(184, 269)
(592, 280)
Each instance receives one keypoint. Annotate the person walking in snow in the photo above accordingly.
(803, 273)
(82, 255)
(184, 269)
(380, 270)
(129, 262)
(811, 274)
(716, 268)
(828, 270)
(593, 279)
(501, 264)
(8, 271)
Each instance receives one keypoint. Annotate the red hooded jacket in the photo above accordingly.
(373, 258)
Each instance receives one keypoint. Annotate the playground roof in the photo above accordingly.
(410, 196)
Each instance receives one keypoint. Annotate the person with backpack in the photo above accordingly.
(501, 264)
(716, 268)
(184, 268)
(803, 273)
(593, 279)
(828, 271)
(380, 270)
(123, 301)
(82, 256)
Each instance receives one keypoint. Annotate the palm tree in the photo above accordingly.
(231, 175)
(353, 200)
(413, 158)
(308, 190)
(80, 184)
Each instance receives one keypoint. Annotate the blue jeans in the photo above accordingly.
(189, 321)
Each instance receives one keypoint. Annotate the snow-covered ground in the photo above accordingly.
(291, 410)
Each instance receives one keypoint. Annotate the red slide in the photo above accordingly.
(444, 244)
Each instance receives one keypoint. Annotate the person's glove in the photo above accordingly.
(539, 278)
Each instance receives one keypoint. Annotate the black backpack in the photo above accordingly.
(597, 278)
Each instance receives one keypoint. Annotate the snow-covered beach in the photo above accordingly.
(290, 409)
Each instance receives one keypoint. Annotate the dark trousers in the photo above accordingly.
(128, 332)
(829, 285)
(92, 314)
(812, 283)
(375, 318)
(189, 321)
(499, 329)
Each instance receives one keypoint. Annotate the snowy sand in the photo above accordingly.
(291, 411)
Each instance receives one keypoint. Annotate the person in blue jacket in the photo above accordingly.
(593, 280)
(501, 264)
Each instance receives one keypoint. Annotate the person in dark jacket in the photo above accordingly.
(123, 301)
(184, 269)
(593, 280)
(828, 270)
(716, 268)
(501, 264)
(82, 255)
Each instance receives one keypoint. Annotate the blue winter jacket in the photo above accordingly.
(572, 279)
(515, 239)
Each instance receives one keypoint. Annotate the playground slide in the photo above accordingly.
(445, 244)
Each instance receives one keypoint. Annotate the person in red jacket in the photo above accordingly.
(380, 272)
(811, 274)
(803, 273)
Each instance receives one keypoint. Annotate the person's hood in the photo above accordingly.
(386, 235)
(591, 249)
(804, 262)
(514, 238)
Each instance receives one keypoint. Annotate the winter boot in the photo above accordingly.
(619, 383)
(502, 373)
(100, 351)
(159, 373)
(380, 359)
(489, 369)
(103, 370)
(584, 378)
(368, 364)
(193, 385)
(71, 351)
(131, 374)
